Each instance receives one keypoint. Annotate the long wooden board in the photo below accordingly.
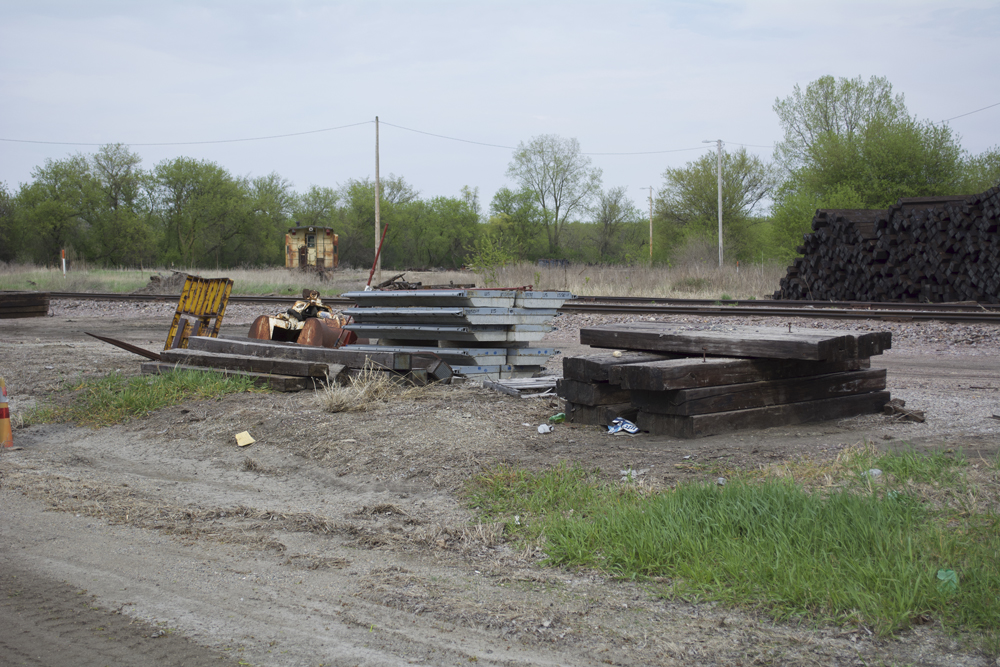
(706, 400)
(599, 415)
(744, 342)
(715, 371)
(397, 361)
(595, 367)
(273, 382)
(251, 364)
(16, 305)
(591, 393)
(698, 426)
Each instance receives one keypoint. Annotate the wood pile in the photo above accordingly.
(15, 305)
(292, 367)
(691, 381)
(922, 249)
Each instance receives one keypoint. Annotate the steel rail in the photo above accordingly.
(955, 312)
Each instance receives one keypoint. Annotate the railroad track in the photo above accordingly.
(852, 310)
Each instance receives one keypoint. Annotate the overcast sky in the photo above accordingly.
(621, 77)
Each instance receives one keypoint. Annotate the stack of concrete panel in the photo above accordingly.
(479, 332)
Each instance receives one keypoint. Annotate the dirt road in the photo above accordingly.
(341, 539)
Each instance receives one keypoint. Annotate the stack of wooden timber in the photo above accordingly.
(15, 305)
(482, 333)
(922, 249)
(691, 381)
(293, 367)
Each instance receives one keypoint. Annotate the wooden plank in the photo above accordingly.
(731, 341)
(591, 393)
(714, 371)
(599, 415)
(397, 361)
(706, 400)
(252, 364)
(698, 426)
(274, 382)
(17, 305)
(595, 367)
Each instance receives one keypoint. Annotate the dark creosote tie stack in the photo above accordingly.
(921, 250)
(690, 381)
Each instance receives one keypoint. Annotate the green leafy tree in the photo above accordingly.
(357, 197)
(686, 207)
(202, 208)
(981, 172)
(559, 177)
(615, 217)
(8, 241)
(271, 202)
(830, 106)
(317, 207)
(516, 219)
(54, 211)
(120, 230)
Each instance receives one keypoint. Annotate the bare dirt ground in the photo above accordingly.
(342, 539)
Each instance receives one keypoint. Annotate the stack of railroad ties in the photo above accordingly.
(691, 381)
(481, 333)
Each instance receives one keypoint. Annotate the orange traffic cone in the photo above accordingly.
(6, 435)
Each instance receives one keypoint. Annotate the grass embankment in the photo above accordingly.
(694, 280)
(825, 542)
(115, 399)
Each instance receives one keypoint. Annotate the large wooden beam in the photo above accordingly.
(396, 361)
(714, 371)
(595, 367)
(591, 393)
(698, 426)
(599, 415)
(252, 364)
(273, 382)
(757, 342)
(759, 394)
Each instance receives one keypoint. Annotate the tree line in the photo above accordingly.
(848, 143)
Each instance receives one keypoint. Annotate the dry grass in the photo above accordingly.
(369, 389)
(693, 280)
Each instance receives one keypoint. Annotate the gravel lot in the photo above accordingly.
(340, 539)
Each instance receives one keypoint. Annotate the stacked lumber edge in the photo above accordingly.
(14, 305)
(922, 249)
(484, 334)
(292, 367)
(690, 381)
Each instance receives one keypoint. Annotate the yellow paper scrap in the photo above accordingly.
(243, 439)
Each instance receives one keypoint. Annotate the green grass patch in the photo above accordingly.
(115, 399)
(872, 554)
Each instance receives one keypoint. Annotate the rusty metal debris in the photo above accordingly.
(308, 322)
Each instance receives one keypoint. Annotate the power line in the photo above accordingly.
(191, 143)
(971, 112)
(441, 136)
(342, 127)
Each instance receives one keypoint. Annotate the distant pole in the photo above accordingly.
(720, 203)
(718, 143)
(378, 236)
(650, 188)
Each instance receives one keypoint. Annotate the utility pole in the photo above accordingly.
(718, 142)
(650, 188)
(378, 235)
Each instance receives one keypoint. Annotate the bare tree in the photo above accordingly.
(559, 177)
